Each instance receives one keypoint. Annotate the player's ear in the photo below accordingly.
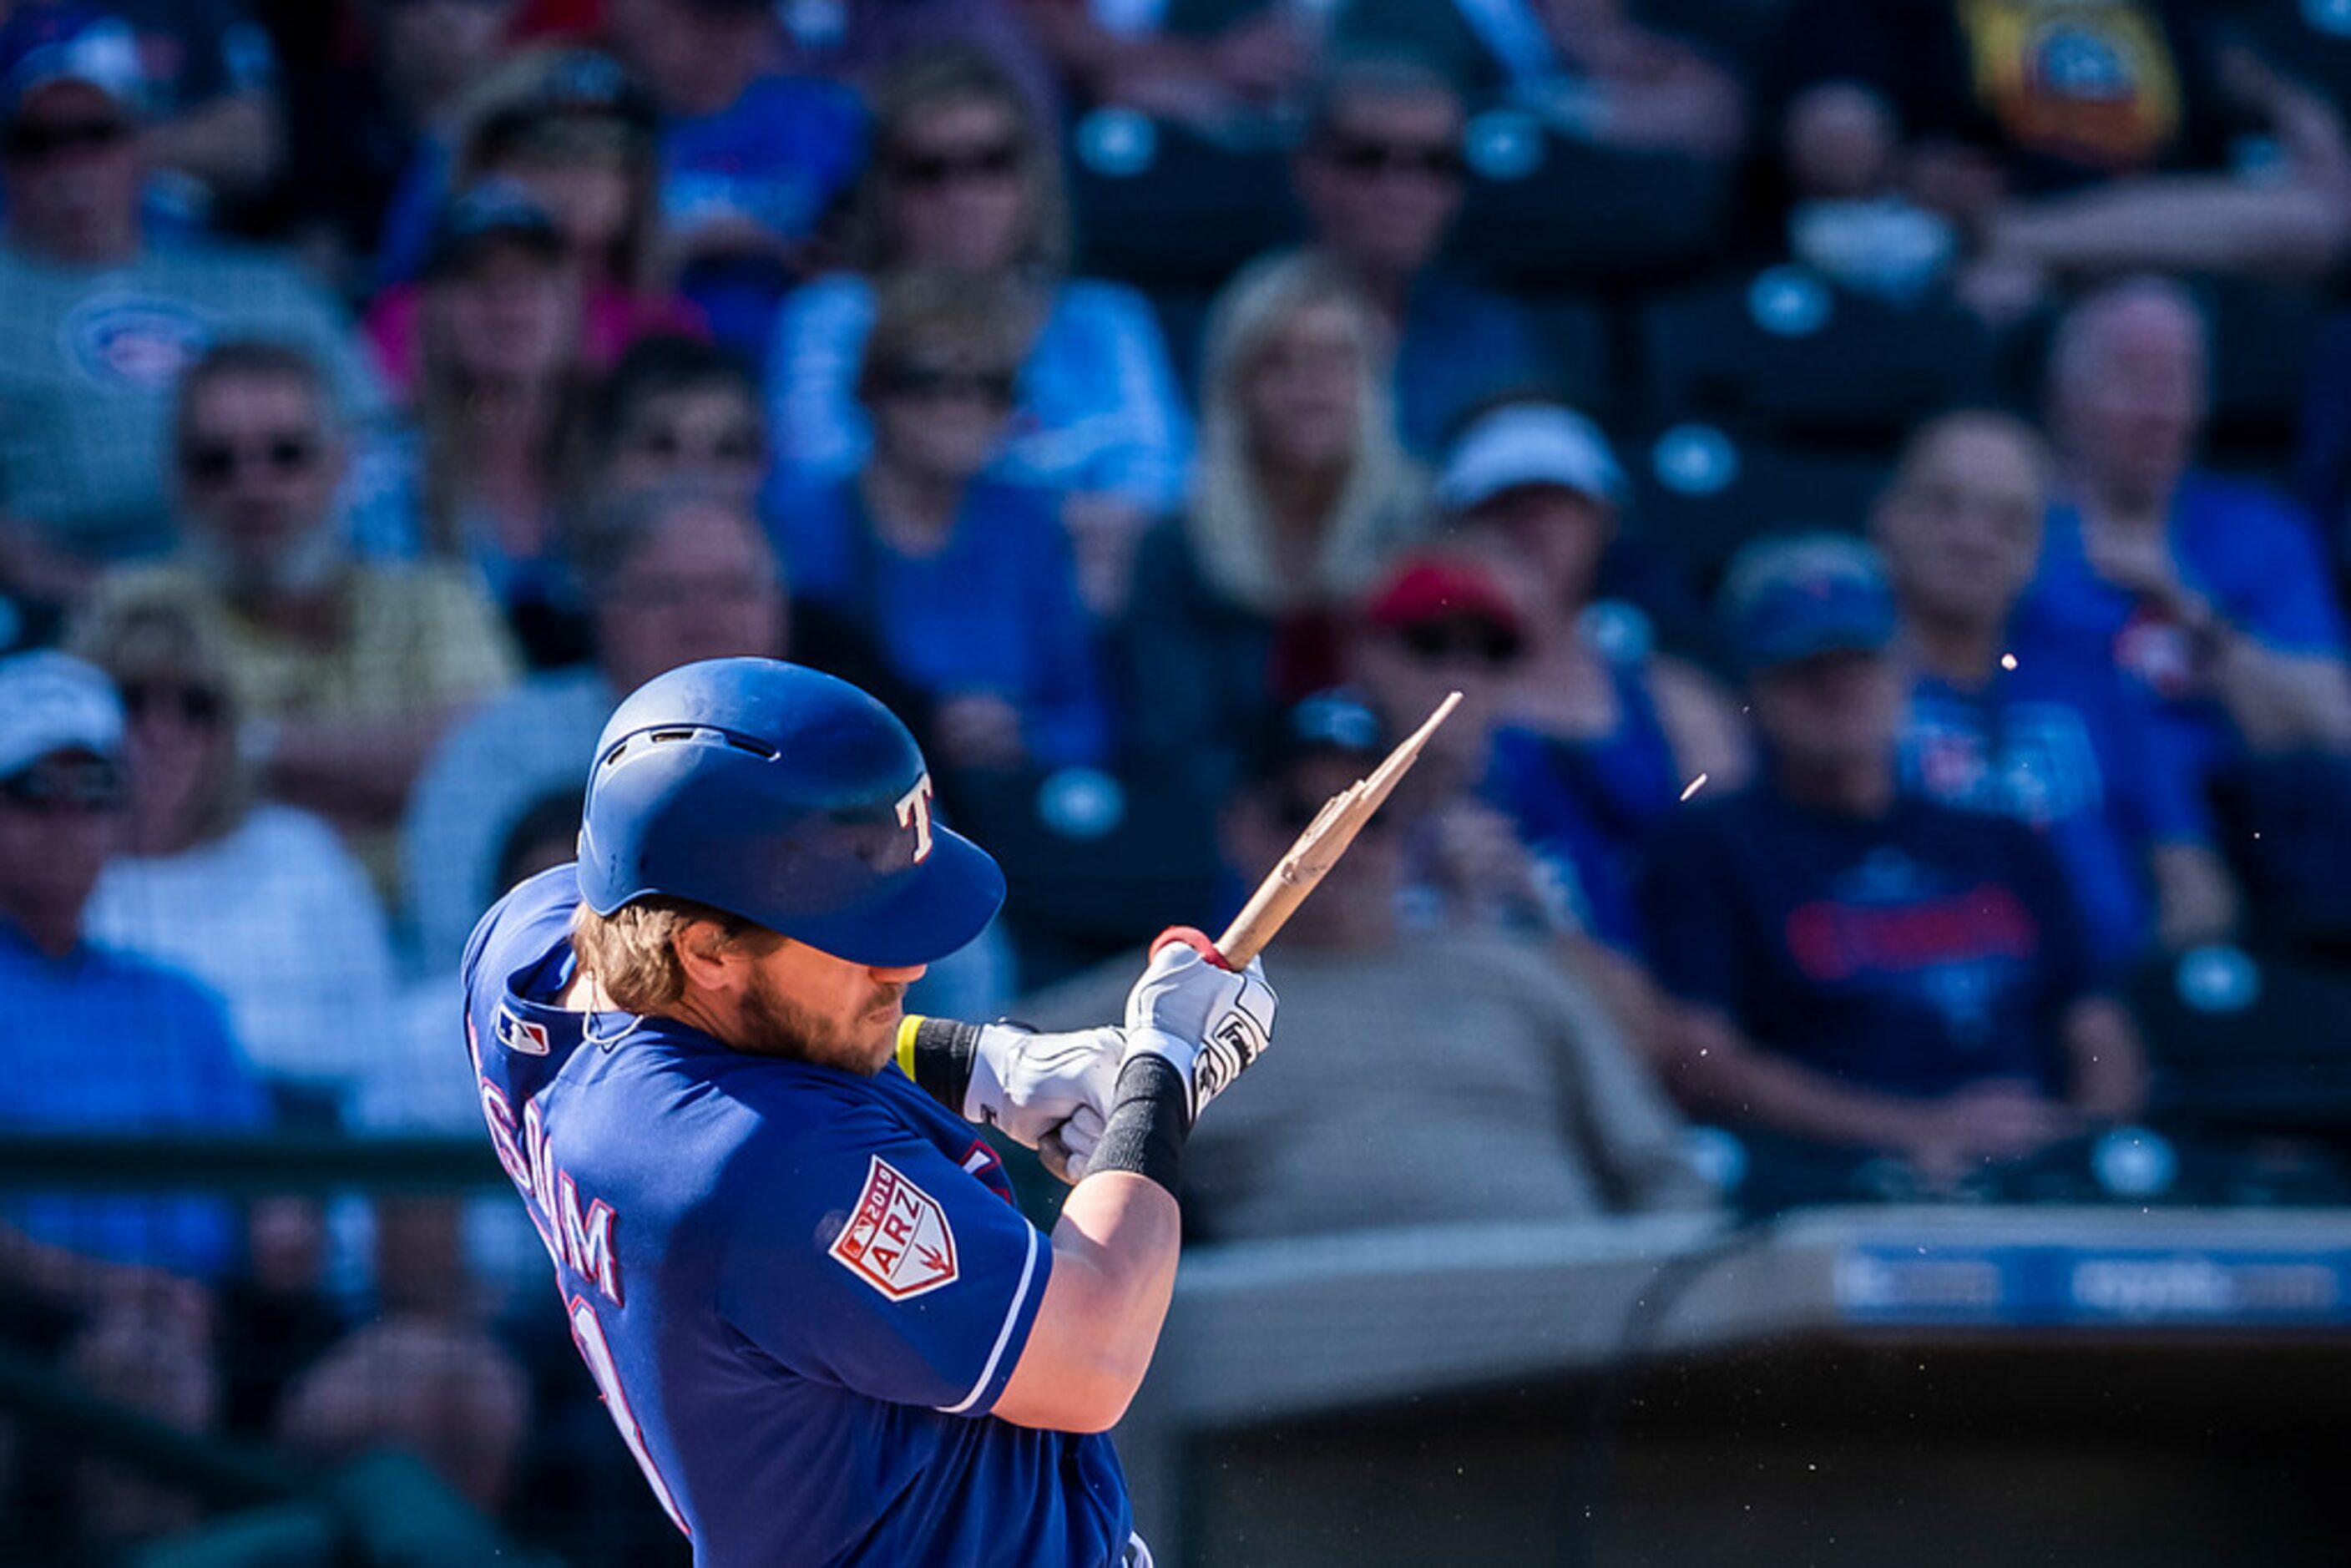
(705, 955)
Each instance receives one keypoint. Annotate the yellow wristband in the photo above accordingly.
(906, 1027)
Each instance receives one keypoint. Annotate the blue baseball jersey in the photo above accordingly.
(799, 1289)
(1913, 953)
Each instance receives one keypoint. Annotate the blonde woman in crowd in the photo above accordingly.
(259, 901)
(1304, 494)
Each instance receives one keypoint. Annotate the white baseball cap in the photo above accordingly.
(1529, 444)
(52, 702)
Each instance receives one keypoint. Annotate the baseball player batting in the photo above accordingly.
(791, 1264)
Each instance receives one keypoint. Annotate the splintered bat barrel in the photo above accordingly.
(1317, 849)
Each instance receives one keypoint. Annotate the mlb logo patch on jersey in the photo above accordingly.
(898, 1241)
(520, 1035)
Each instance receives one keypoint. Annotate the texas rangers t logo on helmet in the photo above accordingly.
(914, 812)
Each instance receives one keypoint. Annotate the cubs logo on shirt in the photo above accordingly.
(898, 1240)
(140, 342)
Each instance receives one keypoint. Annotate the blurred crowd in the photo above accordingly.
(1878, 472)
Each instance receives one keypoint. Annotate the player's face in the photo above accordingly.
(803, 1003)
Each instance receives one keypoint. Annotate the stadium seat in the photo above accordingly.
(1162, 206)
(1702, 490)
(2248, 1039)
(1785, 352)
(1544, 212)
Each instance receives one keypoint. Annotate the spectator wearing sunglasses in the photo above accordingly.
(1598, 737)
(100, 321)
(675, 411)
(964, 178)
(1304, 496)
(99, 1041)
(1379, 175)
(1532, 1106)
(964, 580)
(570, 130)
(346, 670)
(259, 901)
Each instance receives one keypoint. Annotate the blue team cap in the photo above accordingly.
(787, 798)
(1790, 599)
(41, 44)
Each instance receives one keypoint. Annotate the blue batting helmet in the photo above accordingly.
(786, 798)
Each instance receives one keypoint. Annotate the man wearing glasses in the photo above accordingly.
(101, 322)
(1379, 175)
(97, 1041)
(348, 671)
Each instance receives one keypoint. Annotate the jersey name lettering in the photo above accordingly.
(898, 1240)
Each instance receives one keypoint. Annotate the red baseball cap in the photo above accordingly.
(1426, 588)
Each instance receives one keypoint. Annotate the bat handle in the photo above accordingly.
(1195, 938)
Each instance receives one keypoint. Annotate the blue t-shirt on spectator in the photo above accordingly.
(995, 611)
(1584, 807)
(1098, 405)
(2246, 550)
(2064, 745)
(102, 1042)
(1914, 954)
(777, 155)
(1458, 344)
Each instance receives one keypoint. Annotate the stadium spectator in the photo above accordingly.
(1441, 621)
(2208, 592)
(1303, 496)
(2054, 738)
(1379, 174)
(1433, 624)
(347, 670)
(2095, 145)
(1540, 1099)
(1598, 736)
(964, 178)
(100, 321)
(753, 160)
(369, 126)
(673, 574)
(1586, 68)
(496, 410)
(566, 128)
(259, 900)
(964, 580)
(1228, 66)
(119, 1290)
(675, 410)
(1863, 971)
(212, 126)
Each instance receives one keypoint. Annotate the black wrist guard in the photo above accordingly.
(936, 1054)
(1145, 1130)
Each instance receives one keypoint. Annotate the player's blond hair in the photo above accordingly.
(633, 951)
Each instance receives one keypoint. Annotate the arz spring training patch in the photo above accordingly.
(898, 1241)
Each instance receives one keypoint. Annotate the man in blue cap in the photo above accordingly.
(1862, 970)
(788, 1259)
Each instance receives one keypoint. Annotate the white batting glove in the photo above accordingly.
(1209, 1021)
(1029, 1085)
